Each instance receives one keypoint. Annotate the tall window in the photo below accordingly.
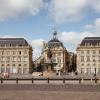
(99, 51)
(94, 52)
(82, 70)
(25, 58)
(19, 52)
(82, 52)
(82, 58)
(98, 70)
(2, 52)
(8, 52)
(99, 58)
(53, 60)
(59, 54)
(2, 58)
(13, 52)
(19, 59)
(88, 58)
(2, 69)
(93, 58)
(59, 60)
(14, 58)
(8, 59)
(25, 52)
(82, 64)
(88, 52)
(88, 70)
(54, 55)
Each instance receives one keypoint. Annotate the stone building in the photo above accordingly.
(88, 56)
(54, 52)
(15, 56)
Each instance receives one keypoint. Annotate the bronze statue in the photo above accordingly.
(49, 53)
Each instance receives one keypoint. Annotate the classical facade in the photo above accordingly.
(55, 52)
(88, 56)
(15, 56)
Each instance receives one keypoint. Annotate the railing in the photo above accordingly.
(63, 80)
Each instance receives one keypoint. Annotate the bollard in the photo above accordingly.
(80, 80)
(17, 80)
(63, 80)
(48, 80)
(1, 80)
(32, 80)
(95, 80)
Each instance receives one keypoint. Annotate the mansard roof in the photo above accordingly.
(54, 42)
(91, 41)
(13, 42)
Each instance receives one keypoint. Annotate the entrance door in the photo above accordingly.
(2, 69)
(14, 69)
(19, 70)
(8, 69)
(25, 71)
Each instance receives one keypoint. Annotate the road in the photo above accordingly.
(49, 92)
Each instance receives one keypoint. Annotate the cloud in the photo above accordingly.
(95, 26)
(67, 9)
(12, 9)
(59, 10)
(95, 4)
(72, 10)
(72, 39)
(37, 45)
(12, 36)
(88, 27)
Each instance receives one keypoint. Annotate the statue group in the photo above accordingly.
(49, 53)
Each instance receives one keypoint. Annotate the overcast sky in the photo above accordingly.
(35, 19)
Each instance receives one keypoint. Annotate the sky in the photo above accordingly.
(35, 20)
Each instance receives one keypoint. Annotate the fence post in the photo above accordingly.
(48, 80)
(80, 80)
(32, 80)
(64, 80)
(17, 80)
(95, 80)
(1, 80)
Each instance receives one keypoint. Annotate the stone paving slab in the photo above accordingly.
(49, 92)
(48, 95)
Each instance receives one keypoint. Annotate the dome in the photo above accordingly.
(55, 42)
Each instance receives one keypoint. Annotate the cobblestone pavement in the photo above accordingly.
(49, 92)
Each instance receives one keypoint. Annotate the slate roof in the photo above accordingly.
(54, 42)
(13, 42)
(90, 40)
